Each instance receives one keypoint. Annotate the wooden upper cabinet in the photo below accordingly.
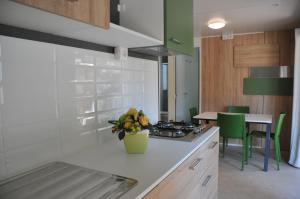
(256, 55)
(94, 12)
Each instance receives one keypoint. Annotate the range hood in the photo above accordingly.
(160, 50)
(168, 21)
(18, 15)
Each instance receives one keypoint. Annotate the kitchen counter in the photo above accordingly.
(162, 158)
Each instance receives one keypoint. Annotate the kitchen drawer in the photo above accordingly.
(209, 183)
(204, 157)
(214, 195)
(186, 181)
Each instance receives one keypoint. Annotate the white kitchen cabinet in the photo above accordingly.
(24, 16)
(143, 16)
(196, 177)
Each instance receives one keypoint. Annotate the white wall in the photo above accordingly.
(54, 98)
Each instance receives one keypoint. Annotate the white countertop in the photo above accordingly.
(162, 157)
(252, 118)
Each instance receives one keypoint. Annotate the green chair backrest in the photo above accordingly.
(238, 109)
(232, 125)
(279, 124)
(193, 112)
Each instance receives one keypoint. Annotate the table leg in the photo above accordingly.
(267, 147)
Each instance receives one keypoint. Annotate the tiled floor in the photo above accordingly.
(253, 183)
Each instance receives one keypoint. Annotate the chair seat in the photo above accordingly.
(262, 134)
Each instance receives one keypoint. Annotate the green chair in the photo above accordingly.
(193, 112)
(274, 136)
(234, 126)
(238, 109)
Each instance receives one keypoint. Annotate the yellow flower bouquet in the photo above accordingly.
(131, 122)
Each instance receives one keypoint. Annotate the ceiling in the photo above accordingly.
(245, 16)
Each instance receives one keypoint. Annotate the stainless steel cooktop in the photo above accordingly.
(59, 180)
(178, 130)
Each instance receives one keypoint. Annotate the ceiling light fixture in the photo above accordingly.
(216, 23)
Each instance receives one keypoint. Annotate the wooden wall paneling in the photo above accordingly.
(171, 88)
(209, 80)
(254, 102)
(276, 104)
(222, 83)
(259, 55)
(227, 73)
(249, 39)
(241, 73)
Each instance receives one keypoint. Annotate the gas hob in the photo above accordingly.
(177, 130)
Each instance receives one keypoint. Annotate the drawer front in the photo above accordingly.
(207, 186)
(204, 157)
(186, 181)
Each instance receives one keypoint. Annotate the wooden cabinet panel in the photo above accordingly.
(95, 12)
(256, 55)
(195, 178)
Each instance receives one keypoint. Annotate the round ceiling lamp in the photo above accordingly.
(216, 23)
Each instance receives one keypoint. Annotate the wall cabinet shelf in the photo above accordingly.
(95, 12)
(20, 15)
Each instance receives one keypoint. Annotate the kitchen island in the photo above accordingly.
(162, 160)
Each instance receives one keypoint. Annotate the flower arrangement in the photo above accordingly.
(132, 122)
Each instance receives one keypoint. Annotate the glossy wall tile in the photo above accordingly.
(55, 100)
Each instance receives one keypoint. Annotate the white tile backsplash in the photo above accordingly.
(73, 141)
(28, 82)
(109, 103)
(108, 75)
(133, 88)
(2, 167)
(133, 76)
(133, 63)
(107, 61)
(109, 89)
(28, 157)
(0, 71)
(1, 133)
(56, 97)
(133, 101)
(1, 142)
(26, 135)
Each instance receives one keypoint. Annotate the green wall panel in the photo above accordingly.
(268, 86)
(179, 35)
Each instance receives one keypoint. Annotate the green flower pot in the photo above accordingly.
(136, 143)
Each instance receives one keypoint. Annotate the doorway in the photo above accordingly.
(179, 86)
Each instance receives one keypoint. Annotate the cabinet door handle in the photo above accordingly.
(206, 181)
(213, 145)
(195, 163)
(174, 40)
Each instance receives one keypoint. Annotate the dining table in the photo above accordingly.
(264, 119)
